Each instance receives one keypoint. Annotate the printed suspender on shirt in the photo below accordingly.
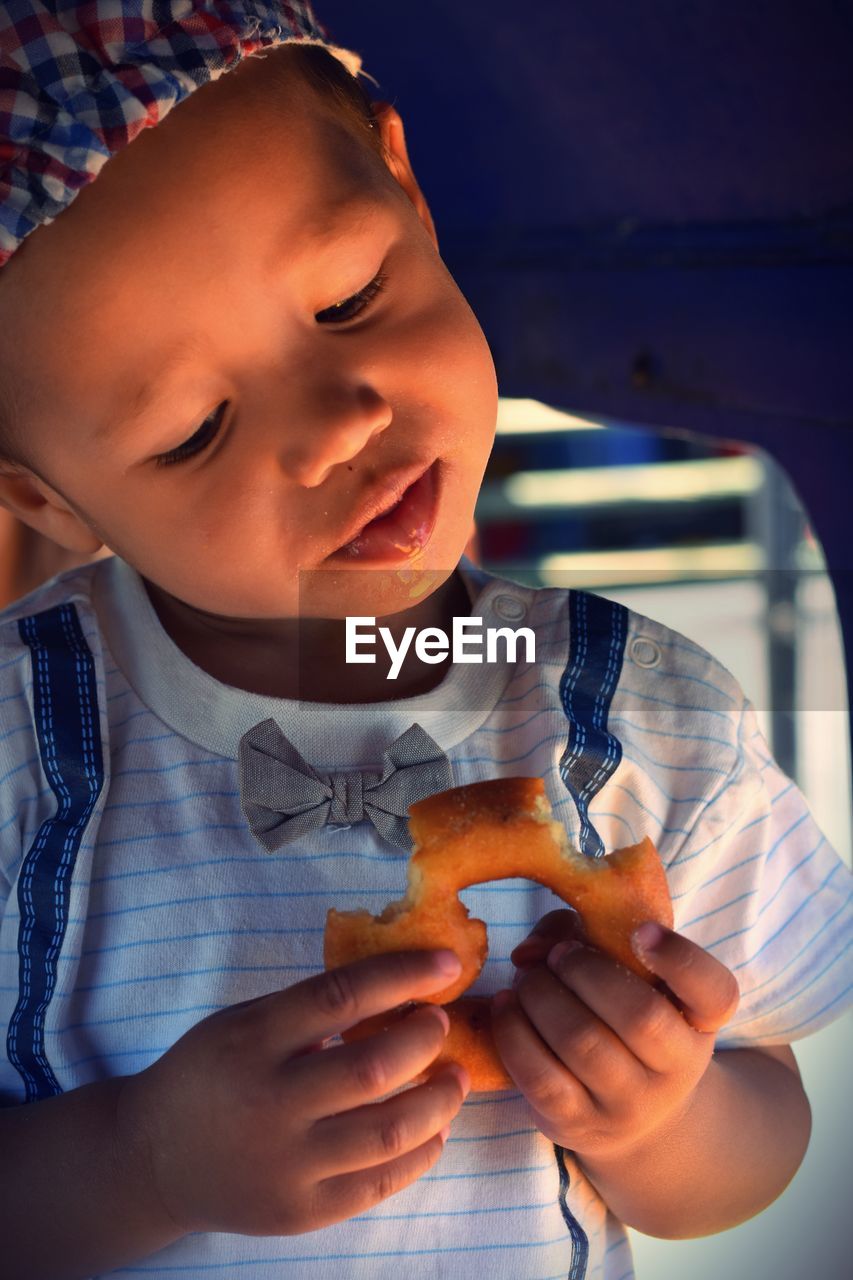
(69, 736)
(597, 631)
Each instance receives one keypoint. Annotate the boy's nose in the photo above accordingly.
(332, 434)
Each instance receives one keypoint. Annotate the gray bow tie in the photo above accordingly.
(283, 798)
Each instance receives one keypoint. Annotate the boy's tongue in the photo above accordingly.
(403, 530)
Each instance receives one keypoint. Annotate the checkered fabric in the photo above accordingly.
(79, 81)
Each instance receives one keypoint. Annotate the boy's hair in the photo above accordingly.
(328, 75)
(317, 68)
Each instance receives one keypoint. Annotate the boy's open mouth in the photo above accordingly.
(399, 531)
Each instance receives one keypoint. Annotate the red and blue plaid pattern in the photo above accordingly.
(79, 81)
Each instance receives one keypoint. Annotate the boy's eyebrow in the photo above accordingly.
(349, 215)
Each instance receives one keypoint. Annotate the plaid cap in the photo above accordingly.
(79, 81)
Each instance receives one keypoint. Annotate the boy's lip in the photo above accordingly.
(397, 518)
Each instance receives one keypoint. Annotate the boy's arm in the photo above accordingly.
(727, 1156)
(77, 1199)
(679, 1142)
(238, 1127)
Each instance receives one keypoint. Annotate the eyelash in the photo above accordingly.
(209, 429)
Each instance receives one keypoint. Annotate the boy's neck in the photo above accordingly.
(303, 658)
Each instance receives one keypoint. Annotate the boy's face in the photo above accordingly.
(218, 238)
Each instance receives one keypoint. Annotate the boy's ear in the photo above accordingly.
(390, 126)
(35, 503)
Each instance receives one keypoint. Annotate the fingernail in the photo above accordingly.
(462, 1076)
(560, 951)
(529, 947)
(437, 1009)
(448, 962)
(646, 937)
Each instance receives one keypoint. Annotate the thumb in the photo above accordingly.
(556, 926)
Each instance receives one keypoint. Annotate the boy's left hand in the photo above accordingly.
(604, 1059)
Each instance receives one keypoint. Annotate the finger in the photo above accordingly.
(648, 1024)
(546, 1083)
(353, 1074)
(578, 1038)
(349, 1194)
(385, 1131)
(706, 991)
(331, 1002)
(554, 927)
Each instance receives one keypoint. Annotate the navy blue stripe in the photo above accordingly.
(69, 736)
(580, 1243)
(597, 630)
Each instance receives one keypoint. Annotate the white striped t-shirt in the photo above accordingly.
(135, 901)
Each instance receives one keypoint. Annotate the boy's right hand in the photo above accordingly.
(244, 1129)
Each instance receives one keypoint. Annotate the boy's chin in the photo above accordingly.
(368, 592)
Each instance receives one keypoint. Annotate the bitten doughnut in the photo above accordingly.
(496, 830)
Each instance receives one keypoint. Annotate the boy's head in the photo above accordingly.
(209, 262)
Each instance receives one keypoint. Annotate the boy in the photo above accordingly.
(237, 360)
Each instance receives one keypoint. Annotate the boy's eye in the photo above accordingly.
(355, 305)
(199, 440)
(206, 433)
